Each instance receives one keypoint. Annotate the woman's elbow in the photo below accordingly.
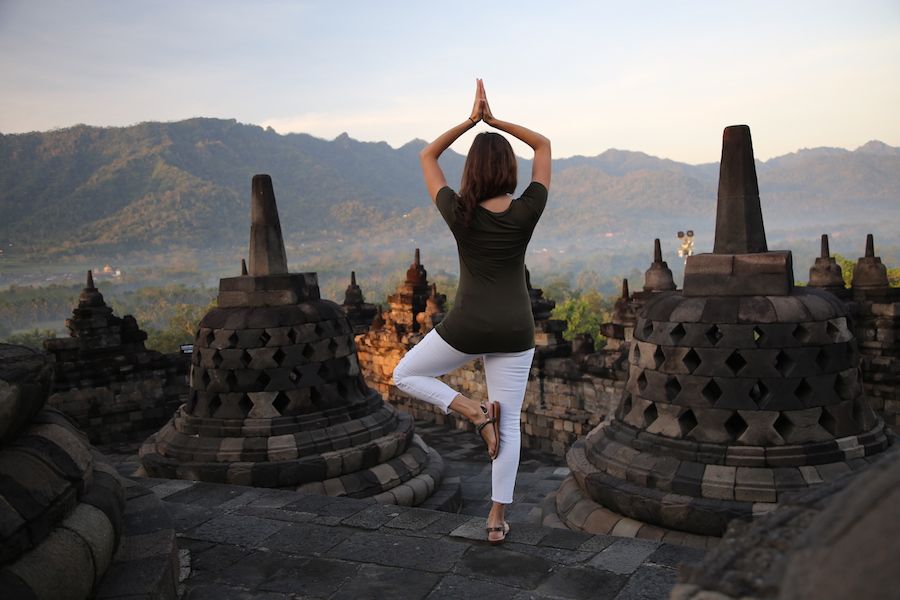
(544, 144)
(427, 154)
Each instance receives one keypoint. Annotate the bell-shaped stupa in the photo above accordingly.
(741, 388)
(277, 398)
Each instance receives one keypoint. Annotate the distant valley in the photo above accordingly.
(183, 187)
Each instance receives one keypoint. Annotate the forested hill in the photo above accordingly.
(155, 185)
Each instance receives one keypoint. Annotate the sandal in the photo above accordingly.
(491, 411)
(504, 530)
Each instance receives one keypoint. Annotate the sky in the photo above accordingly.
(659, 77)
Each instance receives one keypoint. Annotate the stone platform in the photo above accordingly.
(241, 542)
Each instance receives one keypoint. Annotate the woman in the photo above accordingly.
(491, 316)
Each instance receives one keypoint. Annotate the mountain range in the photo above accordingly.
(186, 184)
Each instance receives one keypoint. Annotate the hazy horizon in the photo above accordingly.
(400, 145)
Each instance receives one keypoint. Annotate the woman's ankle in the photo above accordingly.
(467, 407)
(497, 512)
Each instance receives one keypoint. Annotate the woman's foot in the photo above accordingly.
(497, 527)
(485, 418)
(497, 534)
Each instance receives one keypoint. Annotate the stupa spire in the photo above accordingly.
(741, 263)
(267, 256)
(739, 223)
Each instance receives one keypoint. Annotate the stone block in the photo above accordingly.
(755, 485)
(718, 482)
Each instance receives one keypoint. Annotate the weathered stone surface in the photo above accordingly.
(739, 222)
(734, 385)
(277, 398)
(832, 541)
(267, 255)
(105, 379)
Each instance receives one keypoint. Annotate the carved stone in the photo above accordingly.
(277, 397)
(740, 370)
(869, 272)
(826, 274)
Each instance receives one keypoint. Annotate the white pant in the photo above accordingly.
(506, 374)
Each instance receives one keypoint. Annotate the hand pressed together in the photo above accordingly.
(481, 110)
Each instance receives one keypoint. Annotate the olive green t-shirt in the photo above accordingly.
(492, 310)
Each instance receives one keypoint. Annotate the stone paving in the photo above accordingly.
(241, 542)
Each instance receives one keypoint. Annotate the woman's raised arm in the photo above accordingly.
(541, 166)
(428, 157)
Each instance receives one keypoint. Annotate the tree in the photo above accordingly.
(847, 271)
(584, 313)
(181, 328)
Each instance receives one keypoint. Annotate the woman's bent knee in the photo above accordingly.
(401, 373)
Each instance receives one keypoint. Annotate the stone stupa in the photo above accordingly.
(277, 398)
(359, 312)
(742, 388)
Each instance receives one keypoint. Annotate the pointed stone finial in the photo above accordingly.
(741, 263)
(623, 309)
(416, 273)
(826, 273)
(739, 223)
(243, 267)
(353, 294)
(869, 272)
(90, 295)
(267, 256)
(658, 278)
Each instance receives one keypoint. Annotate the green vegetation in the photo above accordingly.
(180, 328)
(583, 308)
(847, 266)
(154, 187)
(34, 338)
(169, 203)
(169, 314)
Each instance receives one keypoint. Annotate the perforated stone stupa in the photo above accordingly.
(741, 388)
(276, 395)
(61, 506)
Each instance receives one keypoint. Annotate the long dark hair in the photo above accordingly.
(490, 171)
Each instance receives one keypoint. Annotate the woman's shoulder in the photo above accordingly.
(533, 199)
(446, 200)
(535, 190)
